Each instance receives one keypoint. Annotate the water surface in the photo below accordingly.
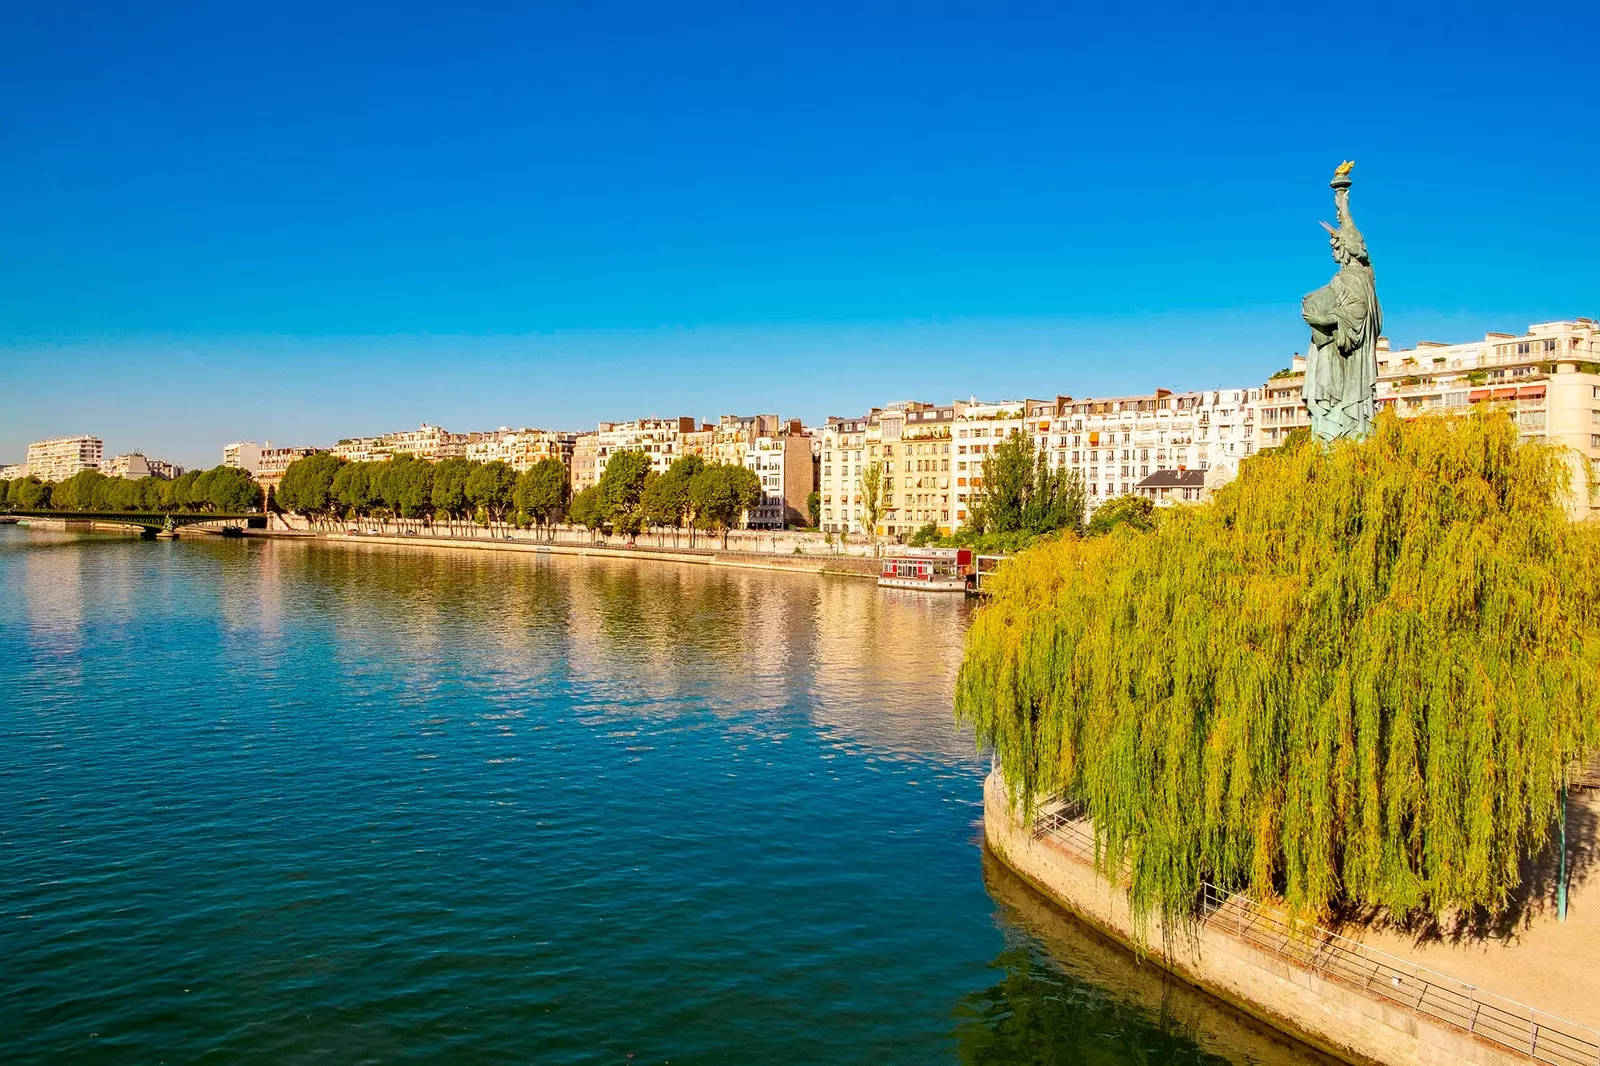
(276, 802)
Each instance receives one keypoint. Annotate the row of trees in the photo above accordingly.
(324, 489)
(222, 489)
(631, 497)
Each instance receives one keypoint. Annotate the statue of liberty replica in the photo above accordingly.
(1345, 320)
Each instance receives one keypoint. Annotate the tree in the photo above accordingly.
(450, 490)
(1356, 679)
(232, 491)
(622, 483)
(1136, 512)
(306, 488)
(29, 494)
(587, 510)
(721, 495)
(414, 490)
(77, 493)
(489, 488)
(814, 508)
(542, 491)
(1019, 492)
(665, 500)
(872, 498)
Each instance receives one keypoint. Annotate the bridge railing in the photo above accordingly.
(1524, 1031)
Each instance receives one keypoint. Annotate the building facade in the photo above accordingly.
(522, 448)
(784, 466)
(273, 463)
(59, 458)
(132, 466)
(242, 455)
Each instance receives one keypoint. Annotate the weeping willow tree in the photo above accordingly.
(1355, 678)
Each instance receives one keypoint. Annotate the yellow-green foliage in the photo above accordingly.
(1356, 677)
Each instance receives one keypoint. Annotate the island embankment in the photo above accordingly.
(852, 566)
(1525, 991)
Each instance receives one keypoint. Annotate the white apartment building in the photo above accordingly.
(427, 442)
(1116, 443)
(844, 449)
(656, 437)
(60, 457)
(521, 448)
(13, 471)
(242, 455)
(979, 427)
(359, 449)
(163, 469)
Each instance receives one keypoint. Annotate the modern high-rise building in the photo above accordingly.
(59, 458)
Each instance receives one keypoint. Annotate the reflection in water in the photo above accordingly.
(1062, 985)
(284, 801)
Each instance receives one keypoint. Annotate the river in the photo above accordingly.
(278, 802)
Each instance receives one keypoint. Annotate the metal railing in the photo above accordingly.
(1514, 1027)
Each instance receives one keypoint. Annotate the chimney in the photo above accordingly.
(1383, 344)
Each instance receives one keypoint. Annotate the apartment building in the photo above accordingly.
(980, 426)
(132, 466)
(431, 443)
(360, 449)
(521, 448)
(273, 463)
(59, 458)
(163, 469)
(917, 477)
(13, 471)
(242, 455)
(783, 463)
(656, 437)
(584, 468)
(1116, 443)
(844, 447)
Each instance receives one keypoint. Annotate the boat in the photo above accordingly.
(927, 569)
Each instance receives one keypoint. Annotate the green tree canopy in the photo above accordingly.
(450, 489)
(307, 485)
(489, 488)
(1356, 677)
(721, 494)
(1020, 492)
(542, 491)
(587, 509)
(872, 496)
(1136, 512)
(622, 483)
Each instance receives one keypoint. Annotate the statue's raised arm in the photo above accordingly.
(1345, 320)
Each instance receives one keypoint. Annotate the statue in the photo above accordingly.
(1345, 320)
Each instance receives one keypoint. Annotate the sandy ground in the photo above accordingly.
(1528, 956)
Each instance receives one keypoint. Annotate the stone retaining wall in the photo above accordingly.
(1332, 1016)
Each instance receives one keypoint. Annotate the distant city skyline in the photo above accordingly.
(483, 217)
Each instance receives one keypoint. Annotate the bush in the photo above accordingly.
(1356, 677)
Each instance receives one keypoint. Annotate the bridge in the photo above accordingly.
(149, 523)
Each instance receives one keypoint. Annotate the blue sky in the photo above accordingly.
(300, 221)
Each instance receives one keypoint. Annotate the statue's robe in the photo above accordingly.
(1342, 364)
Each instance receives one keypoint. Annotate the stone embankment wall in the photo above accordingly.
(842, 565)
(1330, 1015)
(748, 541)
